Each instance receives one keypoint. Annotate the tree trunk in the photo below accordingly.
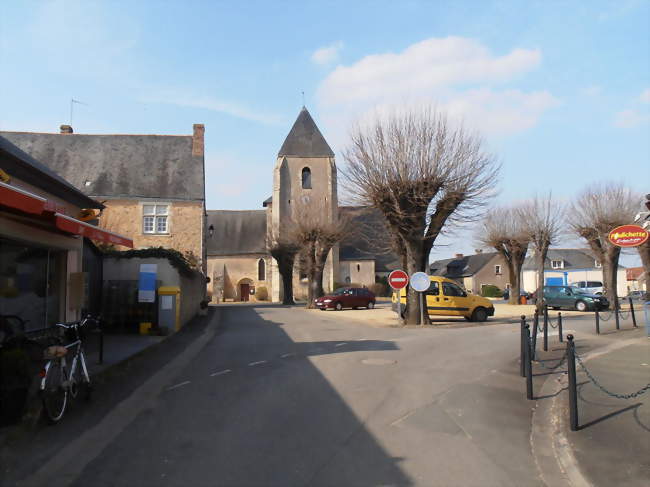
(317, 258)
(644, 252)
(413, 265)
(285, 266)
(610, 274)
(540, 258)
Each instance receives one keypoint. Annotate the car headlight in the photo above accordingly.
(327, 300)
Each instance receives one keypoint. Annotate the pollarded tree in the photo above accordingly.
(543, 220)
(421, 173)
(315, 236)
(593, 214)
(284, 250)
(505, 231)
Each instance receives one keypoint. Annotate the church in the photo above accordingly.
(239, 264)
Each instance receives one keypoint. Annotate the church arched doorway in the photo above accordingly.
(244, 287)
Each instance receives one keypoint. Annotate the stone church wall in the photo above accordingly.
(228, 272)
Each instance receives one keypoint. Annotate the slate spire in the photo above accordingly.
(304, 139)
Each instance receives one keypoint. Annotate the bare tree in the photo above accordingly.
(644, 249)
(505, 231)
(284, 250)
(543, 219)
(316, 236)
(420, 173)
(593, 214)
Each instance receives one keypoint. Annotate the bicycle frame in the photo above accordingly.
(78, 357)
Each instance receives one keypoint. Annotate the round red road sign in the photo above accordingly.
(398, 279)
(628, 236)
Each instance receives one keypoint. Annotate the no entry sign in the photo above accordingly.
(398, 279)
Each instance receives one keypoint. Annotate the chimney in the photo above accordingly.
(459, 256)
(66, 129)
(198, 146)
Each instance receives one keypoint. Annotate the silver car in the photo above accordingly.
(589, 287)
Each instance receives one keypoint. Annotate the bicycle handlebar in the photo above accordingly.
(75, 324)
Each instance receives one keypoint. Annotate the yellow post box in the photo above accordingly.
(169, 307)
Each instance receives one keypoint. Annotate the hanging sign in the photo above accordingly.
(628, 236)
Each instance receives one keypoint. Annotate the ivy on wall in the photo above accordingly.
(175, 258)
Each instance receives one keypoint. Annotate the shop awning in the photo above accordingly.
(29, 203)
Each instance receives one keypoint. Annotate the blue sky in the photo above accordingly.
(563, 86)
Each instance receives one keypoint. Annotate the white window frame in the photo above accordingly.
(161, 212)
(497, 269)
(559, 266)
(597, 264)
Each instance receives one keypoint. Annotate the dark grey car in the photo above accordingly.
(569, 297)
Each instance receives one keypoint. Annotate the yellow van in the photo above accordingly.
(446, 298)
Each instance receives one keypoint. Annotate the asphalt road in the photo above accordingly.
(277, 396)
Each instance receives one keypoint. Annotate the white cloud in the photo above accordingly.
(454, 73)
(645, 96)
(206, 102)
(630, 118)
(328, 54)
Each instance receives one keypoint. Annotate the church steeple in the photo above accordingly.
(304, 139)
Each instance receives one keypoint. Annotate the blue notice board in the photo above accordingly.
(147, 283)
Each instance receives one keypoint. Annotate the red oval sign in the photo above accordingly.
(628, 236)
(398, 279)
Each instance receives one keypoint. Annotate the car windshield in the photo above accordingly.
(339, 291)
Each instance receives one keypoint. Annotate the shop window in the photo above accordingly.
(155, 219)
(306, 178)
(261, 270)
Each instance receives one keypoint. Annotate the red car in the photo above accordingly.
(347, 297)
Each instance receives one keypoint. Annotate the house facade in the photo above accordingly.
(304, 176)
(151, 186)
(474, 271)
(566, 267)
(44, 245)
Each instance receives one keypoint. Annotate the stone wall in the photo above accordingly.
(227, 272)
(357, 271)
(185, 224)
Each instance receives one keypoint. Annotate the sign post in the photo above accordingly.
(420, 282)
(398, 280)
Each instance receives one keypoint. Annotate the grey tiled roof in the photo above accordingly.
(21, 165)
(133, 166)
(573, 259)
(304, 139)
(467, 266)
(237, 232)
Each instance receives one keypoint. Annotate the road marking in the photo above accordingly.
(287, 355)
(363, 339)
(257, 363)
(221, 372)
(178, 385)
(341, 344)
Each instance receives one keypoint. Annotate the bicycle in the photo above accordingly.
(58, 381)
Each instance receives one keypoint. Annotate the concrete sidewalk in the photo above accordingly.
(612, 445)
(117, 348)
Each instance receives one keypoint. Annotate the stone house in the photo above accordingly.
(304, 176)
(474, 271)
(152, 186)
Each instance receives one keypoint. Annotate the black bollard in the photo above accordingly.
(545, 328)
(559, 326)
(597, 323)
(632, 313)
(529, 365)
(101, 345)
(535, 326)
(522, 353)
(573, 387)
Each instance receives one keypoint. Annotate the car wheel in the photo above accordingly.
(338, 306)
(322, 309)
(371, 304)
(581, 306)
(468, 318)
(479, 314)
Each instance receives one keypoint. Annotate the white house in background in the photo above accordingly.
(567, 266)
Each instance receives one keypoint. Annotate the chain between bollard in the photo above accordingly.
(609, 316)
(643, 390)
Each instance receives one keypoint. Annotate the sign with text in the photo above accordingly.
(398, 279)
(628, 236)
(147, 283)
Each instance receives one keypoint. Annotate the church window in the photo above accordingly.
(358, 268)
(261, 270)
(306, 178)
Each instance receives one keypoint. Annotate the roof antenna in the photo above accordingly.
(303, 99)
(72, 102)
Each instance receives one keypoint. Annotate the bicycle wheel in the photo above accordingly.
(55, 393)
(82, 381)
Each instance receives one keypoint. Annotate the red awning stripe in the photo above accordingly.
(26, 202)
(19, 199)
(76, 227)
